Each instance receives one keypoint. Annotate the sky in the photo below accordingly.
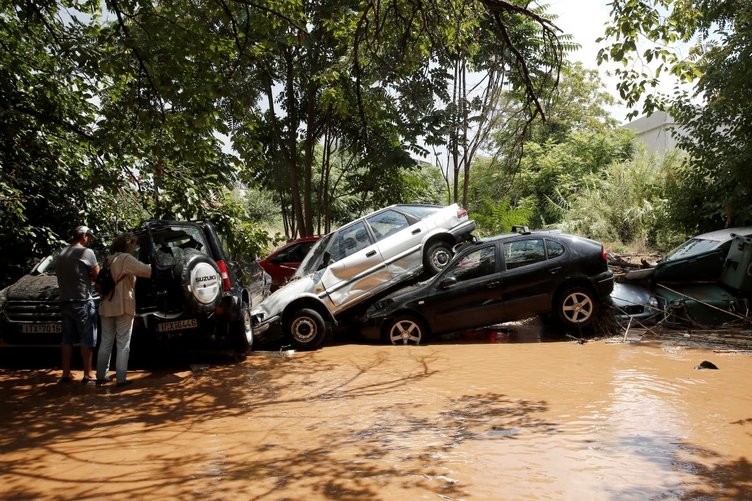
(585, 21)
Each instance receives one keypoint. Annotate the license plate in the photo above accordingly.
(41, 328)
(177, 325)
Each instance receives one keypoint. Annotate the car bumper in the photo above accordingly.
(462, 231)
(604, 283)
(268, 330)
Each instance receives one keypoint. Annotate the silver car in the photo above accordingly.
(355, 263)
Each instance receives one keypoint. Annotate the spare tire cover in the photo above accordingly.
(202, 283)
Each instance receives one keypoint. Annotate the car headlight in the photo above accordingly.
(3, 298)
(653, 302)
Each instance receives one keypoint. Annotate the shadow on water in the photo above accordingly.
(726, 479)
(45, 419)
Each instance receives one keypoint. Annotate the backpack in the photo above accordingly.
(105, 284)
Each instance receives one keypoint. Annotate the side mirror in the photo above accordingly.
(448, 282)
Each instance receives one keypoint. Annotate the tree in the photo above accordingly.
(46, 158)
(716, 41)
(575, 141)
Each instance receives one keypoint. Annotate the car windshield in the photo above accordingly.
(310, 263)
(692, 247)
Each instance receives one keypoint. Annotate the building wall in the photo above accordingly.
(656, 131)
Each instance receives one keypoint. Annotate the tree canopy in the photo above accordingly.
(708, 44)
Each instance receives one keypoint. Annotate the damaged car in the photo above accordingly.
(356, 263)
(707, 280)
(499, 279)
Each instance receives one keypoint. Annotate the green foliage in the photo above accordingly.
(495, 216)
(707, 44)
(553, 174)
(630, 205)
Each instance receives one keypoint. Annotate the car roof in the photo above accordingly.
(538, 233)
(726, 233)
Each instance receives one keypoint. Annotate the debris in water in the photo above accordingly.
(706, 365)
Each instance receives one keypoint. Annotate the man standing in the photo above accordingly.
(77, 269)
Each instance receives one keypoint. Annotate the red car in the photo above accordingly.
(283, 262)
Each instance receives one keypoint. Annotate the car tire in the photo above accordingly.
(576, 307)
(405, 329)
(306, 329)
(437, 257)
(201, 282)
(241, 333)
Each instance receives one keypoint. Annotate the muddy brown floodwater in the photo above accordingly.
(555, 420)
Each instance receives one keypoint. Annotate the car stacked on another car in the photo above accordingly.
(499, 279)
(355, 263)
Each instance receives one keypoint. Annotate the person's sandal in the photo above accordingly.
(65, 380)
(87, 380)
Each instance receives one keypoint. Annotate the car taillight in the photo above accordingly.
(225, 276)
(604, 254)
(461, 213)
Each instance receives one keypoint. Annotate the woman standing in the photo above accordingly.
(118, 309)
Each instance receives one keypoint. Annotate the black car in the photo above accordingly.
(195, 294)
(500, 279)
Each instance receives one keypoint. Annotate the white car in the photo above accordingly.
(355, 263)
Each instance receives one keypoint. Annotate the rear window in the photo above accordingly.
(419, 211)
(171, 243)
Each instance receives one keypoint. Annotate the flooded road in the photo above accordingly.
(474, 420)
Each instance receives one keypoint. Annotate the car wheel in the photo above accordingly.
(241, 334)
(201, 282)
(437, 257)
(405, 329)
(576, 307)
(306, 329)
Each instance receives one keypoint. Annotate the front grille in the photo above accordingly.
(33, 311)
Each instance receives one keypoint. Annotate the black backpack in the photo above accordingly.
(105, 284)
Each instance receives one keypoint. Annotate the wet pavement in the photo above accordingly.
(491, 415)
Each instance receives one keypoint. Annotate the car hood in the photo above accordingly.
(37, 287)
(278, 300)
(392, 302)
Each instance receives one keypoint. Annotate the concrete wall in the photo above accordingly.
(655, 131)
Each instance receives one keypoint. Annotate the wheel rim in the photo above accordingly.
(405, 332)
(303, 329)
(440, 258)
(577, 308)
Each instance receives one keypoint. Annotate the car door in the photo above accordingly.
(398, 237)
(468, 293)
(356, 267)
(534, 268)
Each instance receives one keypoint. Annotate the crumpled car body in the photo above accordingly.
(357, 262)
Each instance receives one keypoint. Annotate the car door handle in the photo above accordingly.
(493, 285)
(416, 231)
(554, 271)
(371, 253)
